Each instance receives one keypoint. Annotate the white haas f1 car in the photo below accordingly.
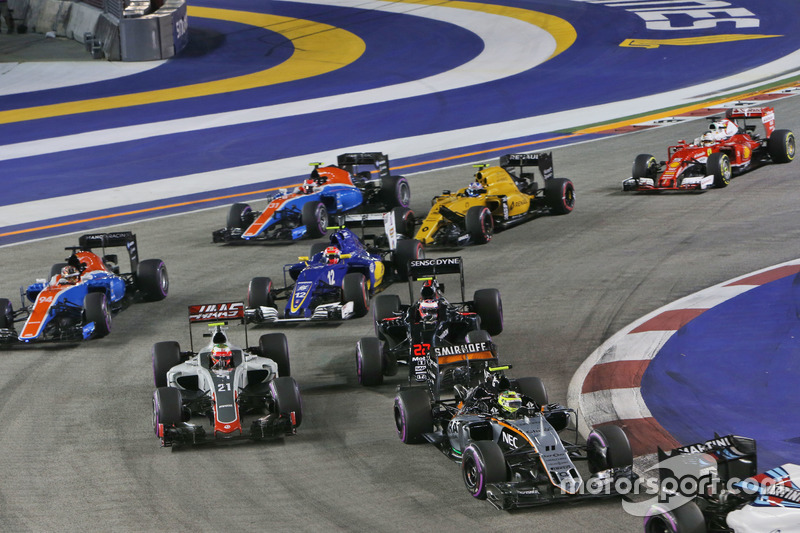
(731, 496)
(224, 384)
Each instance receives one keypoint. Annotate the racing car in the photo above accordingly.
(498, 199)
(80, 296)
(243, 393)
(735, 498)
(413, 334)
(329, 191)
(731, 146)
(337, 278)
(505, 434)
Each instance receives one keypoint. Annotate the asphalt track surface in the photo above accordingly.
(77, 436)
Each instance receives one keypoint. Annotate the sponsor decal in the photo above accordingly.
(221, 311)
(508, 438)
(459, 349)
(418, 363)
(435, 262)
(703, 447)
(301, 290)
(331, 277)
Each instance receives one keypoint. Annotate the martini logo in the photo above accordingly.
(222, 311)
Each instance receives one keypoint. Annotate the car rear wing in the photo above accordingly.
(720, 459)
(372, 220)
(766, 114)
(378, 160)
(217, 314)
(542, 160)
(424, 269)
(91, 241)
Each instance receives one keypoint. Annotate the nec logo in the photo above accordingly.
(509, 439)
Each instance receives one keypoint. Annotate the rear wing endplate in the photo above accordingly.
(377, 159)
(542, 160)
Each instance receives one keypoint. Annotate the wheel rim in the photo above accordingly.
(400, 423)
(405, 194)
(790, 147)
(473, 477)
(569, 197)
(488, 224)
(322, 216)
(164, 280)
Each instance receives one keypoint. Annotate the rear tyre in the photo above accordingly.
(407, 250)
(165, 355)
(369, 362)
(259, 293)
(404, 221)
(477, 335)
(167, 407)
(482, 463)
(315, 219)
(608, 447)
(479, 224)
(152, 279)
(533, 388)
(95, 309)
(559, 193)
(412, 415)
(489, 307)
(384, 306)
(395, 192)
(275, 346)
(240, 216)
(719, 166)
(286, 395)
(316, 248)
(781, 146)
(6, 314)
(688, 518)
(354, 289)
(644, 166)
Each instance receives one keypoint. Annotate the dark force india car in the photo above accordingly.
(337, 278)
(731, 146)
(506, 435)
(498, 198)
(733, 499)
(328, 192)
(410, 334)
(241, 393)
(80, 296)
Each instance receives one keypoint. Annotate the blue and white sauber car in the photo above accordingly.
(733, 499)
(241, 392)
(335, 281)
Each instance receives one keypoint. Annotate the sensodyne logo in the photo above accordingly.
(435, 262)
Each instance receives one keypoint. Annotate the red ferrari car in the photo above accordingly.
(731, 146)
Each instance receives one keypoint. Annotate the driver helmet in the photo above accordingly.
(723, 129)
(707, 139)
(308, 186)
(473, 189)
(509, 401)
(69, 275)
(221, 357)
(332, 255)
(429, 290)
(429, 311)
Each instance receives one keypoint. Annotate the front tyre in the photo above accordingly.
(608, 447)
(644, 166)
(259, 293)
(167, 408)
(559, 194)
(6, 314)
(286, 395)
(719, 166)
(152, 279)
(781, 146)
(479, 224)
(489, 307)
(369, 362)
(413, 416)
(95, 309)
(482, 463)
(407, 250)
(315, 219)
(395, 192)
(354, 289)
(240, 216)
(688, 518)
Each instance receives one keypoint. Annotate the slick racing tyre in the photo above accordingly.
(533, 388)
(167, 408)
(483, 463)
(286, 395)
(275, 346)
(315, 219)
(259, 293)
(559, 193)
(369, 362)
(644, 166)
(55, 270)
(152, 279)
(608, 447)
(6, 314)
(413, 416)
(407, 250)
(240, 216)
(316, 248)
(165, 355)
(479, 224)
(781, 146)
(489, 307)
(384, 306)
(404, 221)
(389, 361)
(688, 518)
(95, 309)
(719, 166)
(354, 289)
(395, 192)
